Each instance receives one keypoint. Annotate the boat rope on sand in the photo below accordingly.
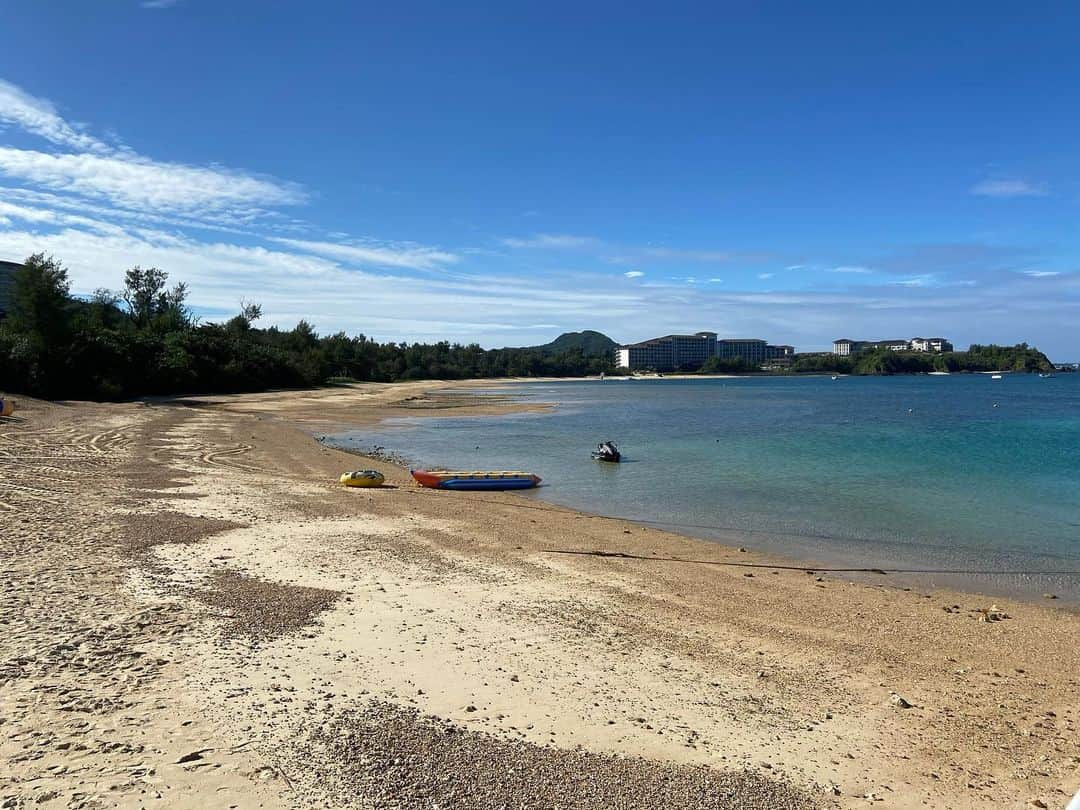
(812, 568)
(662, 524)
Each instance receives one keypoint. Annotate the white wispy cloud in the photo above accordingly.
(44, 216)
(158, 3)
(915, 281)
(680, 254)
(133, 181)
(292, 285)
(1032, 273)
(621, 253)
(60, 202)
(552, 240)
(1009, 188)
(846, 268)
(39, 117)
(83, 166)
(765, 275)
(414, 257)
(102, 208)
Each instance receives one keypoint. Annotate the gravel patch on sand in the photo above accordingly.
(264, 610)
(141, 531)
(389, 756)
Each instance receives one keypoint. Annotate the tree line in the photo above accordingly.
(143, 340)
(1020, 357)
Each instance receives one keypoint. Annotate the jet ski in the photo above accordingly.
(607, 451)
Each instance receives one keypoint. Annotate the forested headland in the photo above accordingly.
(144, 340)
(885, 361)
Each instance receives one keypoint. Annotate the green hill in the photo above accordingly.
(588, 342)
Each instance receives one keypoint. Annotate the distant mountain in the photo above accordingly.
(590, 343)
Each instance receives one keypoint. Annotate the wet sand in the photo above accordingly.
(195, 614)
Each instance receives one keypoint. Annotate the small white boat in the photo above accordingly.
(835, 377)
(995, 376)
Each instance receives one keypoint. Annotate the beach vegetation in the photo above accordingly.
(144, 340)
(1020, 357)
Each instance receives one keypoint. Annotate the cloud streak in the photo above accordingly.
(552, 240)
(851, 270)
(414, 257)
(136, 182)
(40, 117)
(1009, 188)
(83, 166)
(623, 254)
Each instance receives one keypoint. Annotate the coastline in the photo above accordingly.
(280, 603)
(873, 565)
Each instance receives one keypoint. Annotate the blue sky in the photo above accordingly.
(798, 172)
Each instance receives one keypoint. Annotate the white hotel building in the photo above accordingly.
(690, 351)
(845, 347)
(667, 352)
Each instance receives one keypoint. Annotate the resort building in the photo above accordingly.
(751, 350)
(845, 347)
(691, 351)
(931, 345)
(667, 352)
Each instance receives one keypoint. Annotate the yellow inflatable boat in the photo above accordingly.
(362, 478)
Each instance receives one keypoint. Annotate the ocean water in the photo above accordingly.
(958, 481)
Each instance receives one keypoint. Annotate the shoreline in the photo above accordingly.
(889, 576)
(288, 642)
(873, 569)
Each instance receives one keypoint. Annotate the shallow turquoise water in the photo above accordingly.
(942, 474)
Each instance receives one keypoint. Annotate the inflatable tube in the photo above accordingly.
(362, 478)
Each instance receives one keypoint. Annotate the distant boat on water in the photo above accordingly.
(995, 376)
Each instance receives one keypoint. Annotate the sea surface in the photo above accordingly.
(957, 481)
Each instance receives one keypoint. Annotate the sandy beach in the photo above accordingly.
(195, 613)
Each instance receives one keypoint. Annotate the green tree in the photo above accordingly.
(39, 323)
(150, 302)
